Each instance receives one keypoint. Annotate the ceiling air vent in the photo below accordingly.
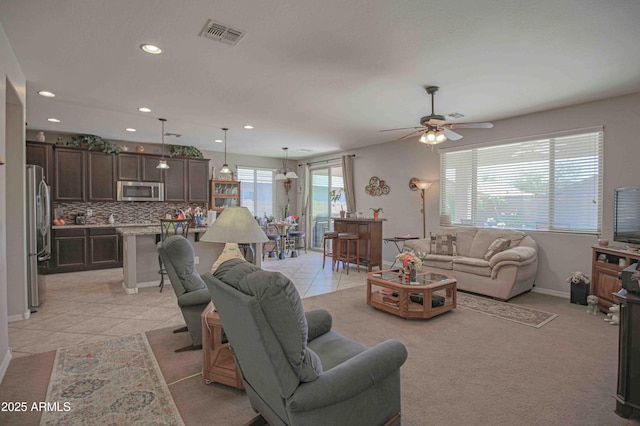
(219, 32)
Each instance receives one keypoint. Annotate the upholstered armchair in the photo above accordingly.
(178, 258)
(295, 369)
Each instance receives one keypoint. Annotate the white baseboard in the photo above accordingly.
(129, 290)
(556, 293)
(19, 317)
(141, 285)
(5, 363)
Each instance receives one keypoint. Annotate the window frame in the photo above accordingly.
(554, 141)
(255, 170)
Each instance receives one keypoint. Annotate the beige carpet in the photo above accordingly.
(464, 367)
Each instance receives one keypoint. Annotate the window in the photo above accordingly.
(553, 183)
(257, 190)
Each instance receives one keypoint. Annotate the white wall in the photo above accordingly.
(9, 72)
(560, 254)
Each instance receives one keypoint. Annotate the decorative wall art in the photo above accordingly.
(412, 184)
(376, 187)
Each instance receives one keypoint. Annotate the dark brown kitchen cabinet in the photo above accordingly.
(198, 180)
(139, 167)
(41, 154)
(84, 249)
(129, 167)
(175, 180)
(101, 176)
(70, 168)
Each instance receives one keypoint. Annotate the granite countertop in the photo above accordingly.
(103, 225)
(153, 230)
(360, 219)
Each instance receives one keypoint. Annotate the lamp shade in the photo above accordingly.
(291, 175)
(281, 176)
(235, 225)
(423, 184)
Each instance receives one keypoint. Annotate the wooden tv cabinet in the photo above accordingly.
(605, 267)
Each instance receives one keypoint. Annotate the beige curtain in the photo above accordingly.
(305, 219)
(349, 188)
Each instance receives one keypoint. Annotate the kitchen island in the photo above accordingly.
(140, 254)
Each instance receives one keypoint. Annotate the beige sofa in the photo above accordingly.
(503, 275)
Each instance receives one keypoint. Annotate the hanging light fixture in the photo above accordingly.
(162, 164)
(285, 174)
(225, 167)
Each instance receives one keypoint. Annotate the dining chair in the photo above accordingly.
(169, 227)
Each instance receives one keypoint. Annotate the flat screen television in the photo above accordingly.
(626, 221)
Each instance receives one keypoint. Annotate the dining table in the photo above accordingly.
(283, 229)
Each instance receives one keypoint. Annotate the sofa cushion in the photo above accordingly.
(231, 251)
(485, 236)
(281, 305)
(464, 238)
(472, 266)
(498, 245)
(443, 244)
(438, 261)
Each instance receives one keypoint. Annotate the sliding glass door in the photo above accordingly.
(324, 179)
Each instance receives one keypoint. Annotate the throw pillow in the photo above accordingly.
(444, 244)
(498, 245)
(231, 251)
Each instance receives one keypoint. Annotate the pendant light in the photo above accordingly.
(284, 174)
(225, 167)
(162, 164)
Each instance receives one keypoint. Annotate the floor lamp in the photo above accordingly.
(237, 225)
(423, 185)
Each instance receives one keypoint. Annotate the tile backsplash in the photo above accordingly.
(123, 212)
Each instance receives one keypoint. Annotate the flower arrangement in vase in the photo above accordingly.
(411, 262)
(377, 211)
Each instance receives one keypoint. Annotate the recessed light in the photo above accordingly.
(144, 109)
(53, 120)
(130, 129)
(150, 48)
(47, 94)
(248, 127)
(218, 140)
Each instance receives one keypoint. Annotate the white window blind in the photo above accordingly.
(552, 183)
(257, 190)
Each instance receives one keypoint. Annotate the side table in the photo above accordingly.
(218, 364)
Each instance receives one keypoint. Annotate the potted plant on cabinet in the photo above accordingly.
(376, 212)
(335, 195)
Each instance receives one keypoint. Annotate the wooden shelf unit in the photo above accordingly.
(604, 274)
(224, 193)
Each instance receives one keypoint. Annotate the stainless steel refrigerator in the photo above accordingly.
(38, 233)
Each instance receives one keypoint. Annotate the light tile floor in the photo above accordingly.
(92, 306)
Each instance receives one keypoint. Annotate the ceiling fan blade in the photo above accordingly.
(450, 134)
(408, 135)
(468, 125)
(401, 128)
(436, 122)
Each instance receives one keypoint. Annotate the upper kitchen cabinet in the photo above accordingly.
(198, 180)
(41, 154)
(81, 175)
(101, 176)
(175, 180)
(70, 166)
(137, 167)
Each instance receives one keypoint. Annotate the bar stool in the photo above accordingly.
(329, 236)
(295, 237)
(170, 227)
(274, 238)
(345, 238)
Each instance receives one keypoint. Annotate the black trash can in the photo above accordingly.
(579, 293)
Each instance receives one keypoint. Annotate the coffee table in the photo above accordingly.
(388, 291)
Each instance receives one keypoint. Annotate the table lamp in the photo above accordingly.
(236, 225)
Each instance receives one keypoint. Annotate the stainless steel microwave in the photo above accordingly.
(140, 191)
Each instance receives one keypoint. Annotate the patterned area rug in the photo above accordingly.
(114, 382)
(503, 310)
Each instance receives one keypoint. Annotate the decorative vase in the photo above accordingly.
(413, 275)
(140, 148)
(342, 213)
(376, 214)
(40, 136)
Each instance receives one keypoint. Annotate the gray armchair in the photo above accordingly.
(296, 371)
(178, 257)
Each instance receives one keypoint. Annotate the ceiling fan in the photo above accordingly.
(435, 129)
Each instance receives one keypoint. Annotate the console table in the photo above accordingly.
(370, 231)
(605, 267)
(628, 392)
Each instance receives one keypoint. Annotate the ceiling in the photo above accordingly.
(314, 76)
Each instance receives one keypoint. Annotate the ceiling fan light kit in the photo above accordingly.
(434, 127)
